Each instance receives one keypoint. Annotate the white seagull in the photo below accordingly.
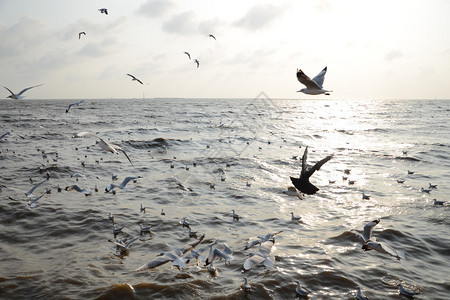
(79, 103)
(125, 244)
(370, 242)
(122, 185)
(368, 228)
(261, 239)
(19, 95)
(75, 187)
(134, 78)
(81, 33)
(29, 194)
(235, 216)
(32, 203)
(103, 11)
(214, 252)
(360, 295)
(299, 290)
(247, 287)
(261, 257)
(294, 218)
(313, 86)
(176, 257)
(111, 148)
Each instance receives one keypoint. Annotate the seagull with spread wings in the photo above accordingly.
(19, 95)
(134, 78)
(81, 33)
(302, 183)
(313, 86)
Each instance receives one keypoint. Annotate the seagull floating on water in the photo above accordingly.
(145, 228)
(103, 11)
(302, 183)
(142, 209)
(134, 78)
(247, 287)
(294, 218)
(19, 95)
(81, 33)
(405, 292)
(437, 202)
(365, 197)
(235, 216)
(432, 186)
(299, 290)
(425, 191)
(360, 295)
(314, 86)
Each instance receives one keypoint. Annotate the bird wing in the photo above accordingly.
(391, 251)
(320, 77)
(24, 90)
(304, 79)
(188, 54)
(367, 234)
(127, 179)
(123, 151)
(304, 158)
(212, 36)
(318, 164)
(131, 241)
(266, 247)
(34, 187)
(253, 261)
(191, 245)
(227, 249)
(132, 76)
(106, 146)
(269, 261)
(9, 90)
(154, 263)
(139, 81)
(251, 244)
(68, 108)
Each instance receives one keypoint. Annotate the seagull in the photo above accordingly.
(299, 290)
(103, 11)
(212, 36)
(142, 208)
(29, 194)
(80, 33)
(314, 86)
(382, 247)
(145, 229)
(360, 295)
(368, 228)
(187, 53)
(437, 202)
(19, 95)
(134, 78)
(247, 287)
(197, 62)
(365, 197)
(261, 239)
(261, 257)
(75, 187)
(122, 185)
(5, 134)
(425, 191)
(192, 233)
(405, 292)
(410, 172)
(432, 186)
(400, 181)
(235, 216)
(294, 218)
(32, 203)
(111, 148)
(214, 252)
(292, 191)
(176, 257)
(184, 222)
(117, 230)
(302, 183)
(124, 245)
(111, 217)
(77, 104)
(83, 134)
(163, 213)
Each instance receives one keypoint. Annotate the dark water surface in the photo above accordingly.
(60, 249)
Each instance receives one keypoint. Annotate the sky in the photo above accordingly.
(386, 49)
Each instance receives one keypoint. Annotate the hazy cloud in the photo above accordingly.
(393, 55)
(182, 23)
(155, 8)
(261, 15)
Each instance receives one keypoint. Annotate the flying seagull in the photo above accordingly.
(19, 95)
(187, 53)
(197, 62)
(80, 33)
(212, 36)
(123, 186)
(176, 257)
(72, 104)
(111, 148)
(103, 11)
(302, 183)
(134, 78)
(314, 86)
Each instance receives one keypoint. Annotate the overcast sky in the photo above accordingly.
(373, 49)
